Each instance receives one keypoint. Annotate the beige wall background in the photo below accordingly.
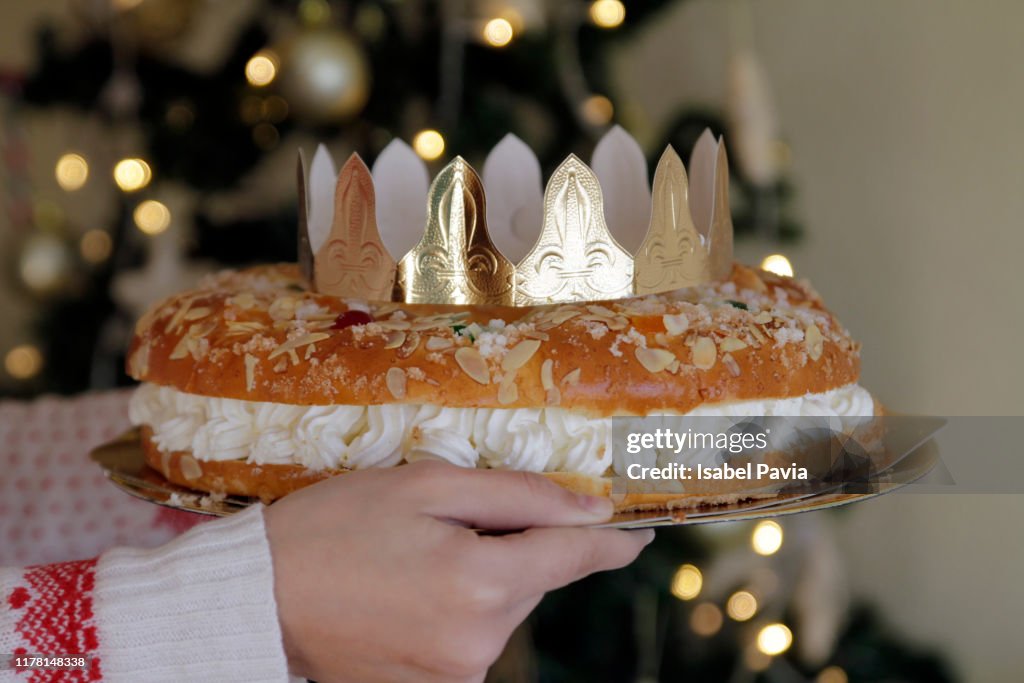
(904, 119)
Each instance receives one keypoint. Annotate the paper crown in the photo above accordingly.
(568, 243)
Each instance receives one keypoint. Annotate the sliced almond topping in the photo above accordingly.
(197, 313)
(473, 364)
(758, 334)
(508, 392)
(601, 310)
(179, 316)
(519, 355)
(298, 342)
(763, 318)
(294, 356)
(572, 377)
(814, 341)
(412, 342)
(673, 367)
(139, 361)
(747, 278)
(245, 301)
(546, 379)
(704, 353)
(730, 362)
(553, 396)
(394, 339)
(190, 469)
(654, 360)
(200, 330)
(250, 371)
(618, 323)
(560, 317)
(661, 339)
(396, 382)
(676, 324)
(438, 343)
(180, 349)
(613, 323)
(536, 334)
(395, 324)
(244, 327)
(731, 344)
(283, 308)
(425, 324)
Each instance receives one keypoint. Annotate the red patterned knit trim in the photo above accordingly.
(57, 617)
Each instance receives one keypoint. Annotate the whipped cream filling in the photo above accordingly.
(318, 437)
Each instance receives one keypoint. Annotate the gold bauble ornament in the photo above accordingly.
(324, 75)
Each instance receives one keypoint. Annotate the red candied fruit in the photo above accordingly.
(350, 318)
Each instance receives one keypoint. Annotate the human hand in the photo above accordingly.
(379, 578)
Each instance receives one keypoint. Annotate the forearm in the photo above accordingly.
(198, 608)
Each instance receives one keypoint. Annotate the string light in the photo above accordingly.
(832, 674)
(778, 264)
(597, 110)
(261, 69)
(95, 246)
(72, 171)
(152, 217)
(132, 174)
(607, 13)
(687, 582)
(23, 362)
(767, 537)
(429, 144)
(756, 660)
(314, 12)
(498, 32)
(706, 619)
(742, 605)
(774, 639)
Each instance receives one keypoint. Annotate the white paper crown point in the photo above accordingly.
(702, 180)
(322, 177)
(620, 165)
(514, 184)
(401, 180)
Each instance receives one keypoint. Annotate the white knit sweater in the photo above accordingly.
(151, 603)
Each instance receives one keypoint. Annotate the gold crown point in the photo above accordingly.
(353, 261)
(575, 258)
(671, 255)
(456, 262)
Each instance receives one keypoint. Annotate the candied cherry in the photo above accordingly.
(351, 317)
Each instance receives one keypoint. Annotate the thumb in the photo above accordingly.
(507, 499)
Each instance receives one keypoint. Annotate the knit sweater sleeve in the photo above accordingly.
(200, 607)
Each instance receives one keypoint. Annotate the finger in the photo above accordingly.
(503, 499)
(540, 560)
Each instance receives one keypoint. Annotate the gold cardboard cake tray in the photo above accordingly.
(123, 462)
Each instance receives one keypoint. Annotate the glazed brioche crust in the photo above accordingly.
(257, 335)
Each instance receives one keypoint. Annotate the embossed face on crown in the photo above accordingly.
(456, 262)
(576, 258)
(353, 261)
